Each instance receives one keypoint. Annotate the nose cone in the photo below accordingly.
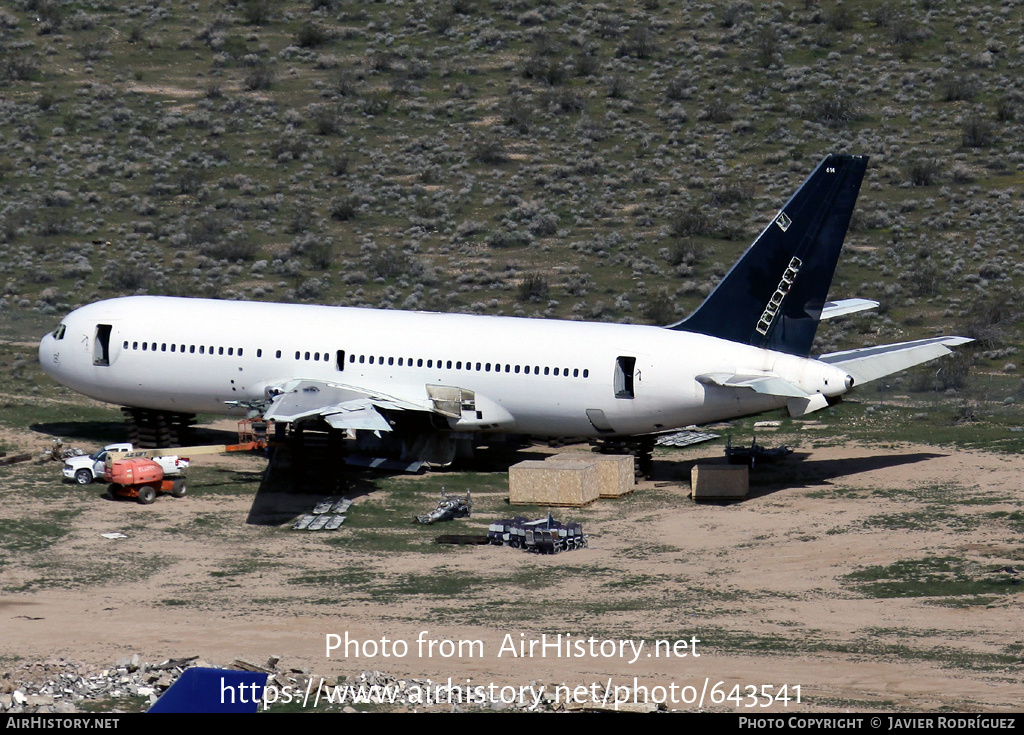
(48, 357)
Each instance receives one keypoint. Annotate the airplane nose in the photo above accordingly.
(49, 357)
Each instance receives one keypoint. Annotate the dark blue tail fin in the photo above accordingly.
(774, 295)
(213, 690)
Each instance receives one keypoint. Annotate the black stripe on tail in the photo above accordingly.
(774, 295)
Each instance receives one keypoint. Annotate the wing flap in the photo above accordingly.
(870, 363)
(342, 406)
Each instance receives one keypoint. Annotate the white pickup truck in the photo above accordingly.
(86, 469)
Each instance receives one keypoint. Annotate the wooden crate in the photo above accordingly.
(564, 483)
(719, 481)
(616, 472)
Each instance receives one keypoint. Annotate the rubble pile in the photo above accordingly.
(63, 686)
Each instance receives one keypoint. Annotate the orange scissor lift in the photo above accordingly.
(136, 475)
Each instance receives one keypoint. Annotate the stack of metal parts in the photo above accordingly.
(684, 438)
(542, 536)
(328, 515)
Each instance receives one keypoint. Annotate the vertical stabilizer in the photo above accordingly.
(774, 295)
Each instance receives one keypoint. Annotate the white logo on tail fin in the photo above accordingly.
(772, 307)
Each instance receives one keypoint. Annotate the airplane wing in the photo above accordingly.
(870, 363)
(846, 306)
(342, 406)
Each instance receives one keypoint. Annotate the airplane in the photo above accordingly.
(415, 386)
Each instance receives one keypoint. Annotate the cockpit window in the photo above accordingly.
(58, 333)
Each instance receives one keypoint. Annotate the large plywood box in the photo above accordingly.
(615, 472)
(719, 481)
(553, 483)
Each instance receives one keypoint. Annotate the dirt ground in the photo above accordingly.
(821, 580)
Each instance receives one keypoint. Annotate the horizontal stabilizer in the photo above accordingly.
(768, 384)
(804, 406)
(871, 363)
(843, 307)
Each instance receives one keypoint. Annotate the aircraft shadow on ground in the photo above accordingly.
(74, 432)
(794, 471)
(110, 432)
(282, 497)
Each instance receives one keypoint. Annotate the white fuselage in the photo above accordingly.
(530, 376)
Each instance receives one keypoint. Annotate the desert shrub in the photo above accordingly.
(376, 103)
(260, 76)
(617, 86)
(205, 228)
(543, 69)
(257, 12)
(344, 208)
(660, 310)
(977, 132)
(518, 115)
(640, 42)
(725, 194)
(684, 252)
(127, 275)
(835, 109)
(718, 110)
(958, 87)
(230, 248)
(18, 67)
(319, 250)
(690, 223)
(563, 101)
(839, 18)
(730, 14)
(534, 287)
(767, 45)
(392, 262)
(988, 321)
(586, 63)
(311, 34)
(190, 179)
(328, 120)
(507, 239)
(923, 171)
(1006, 109)
(490, 150)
